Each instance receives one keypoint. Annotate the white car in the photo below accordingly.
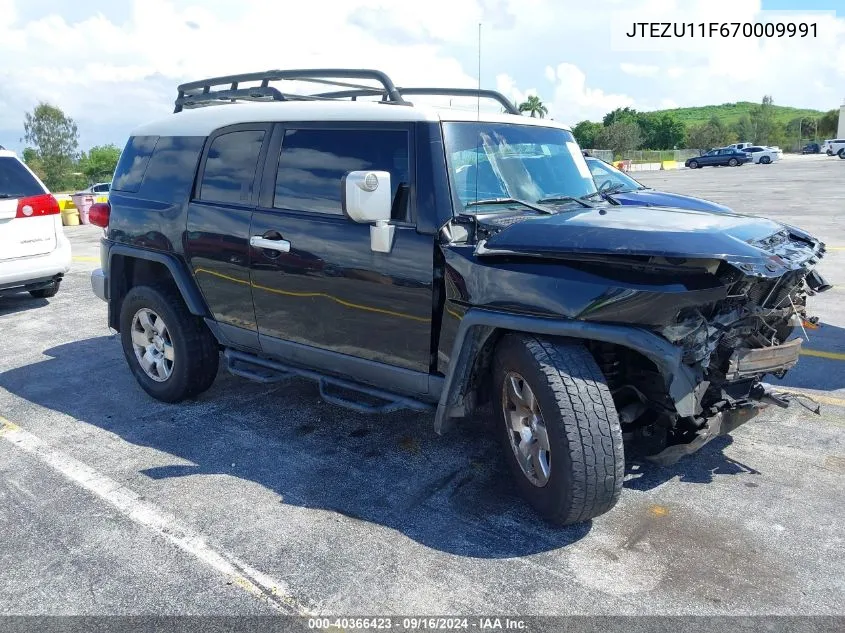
(34, 251)
(763, 155)
(836, 147)
(741, 146)
(98, 189)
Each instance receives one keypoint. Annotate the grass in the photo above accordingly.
(731, 112)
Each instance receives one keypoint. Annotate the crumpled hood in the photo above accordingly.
(650, 231)
(651, 197)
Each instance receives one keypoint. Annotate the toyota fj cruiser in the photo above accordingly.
(409, 256)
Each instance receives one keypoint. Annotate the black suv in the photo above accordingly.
(410, 257)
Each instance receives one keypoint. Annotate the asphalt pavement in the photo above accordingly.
(259, 499)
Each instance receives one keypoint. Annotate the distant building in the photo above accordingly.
(841, 132)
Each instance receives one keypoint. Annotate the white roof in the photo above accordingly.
(204, 120)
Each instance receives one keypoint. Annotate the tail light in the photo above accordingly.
(98, 214)
(37, 206)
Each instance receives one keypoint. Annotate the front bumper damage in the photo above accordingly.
(752, 362)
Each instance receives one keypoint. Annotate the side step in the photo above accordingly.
(269, 371)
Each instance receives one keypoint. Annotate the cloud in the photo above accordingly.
(639, 70)
(112, 71)
(573, 100)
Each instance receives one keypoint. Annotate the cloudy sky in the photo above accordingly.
(113, 64)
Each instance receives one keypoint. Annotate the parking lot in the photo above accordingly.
(260, 499)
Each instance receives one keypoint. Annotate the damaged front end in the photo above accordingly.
(733, 343)
(728, 292)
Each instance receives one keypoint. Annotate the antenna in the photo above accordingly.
(478, 101)
(478, 112)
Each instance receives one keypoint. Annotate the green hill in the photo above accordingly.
(731, 112)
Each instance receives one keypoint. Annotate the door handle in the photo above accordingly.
(282, 246)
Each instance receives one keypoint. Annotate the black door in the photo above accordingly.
(217, 236)
(329, 300)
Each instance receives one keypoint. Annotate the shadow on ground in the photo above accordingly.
(449, 493)
(701, 467)
(12, 303)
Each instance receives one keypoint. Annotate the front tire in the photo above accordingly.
(693, 164)
(559, 428)
(169, 350)
(841, 153)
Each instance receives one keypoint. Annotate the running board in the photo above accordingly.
(269, 371)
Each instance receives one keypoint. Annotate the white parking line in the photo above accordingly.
(145, 514)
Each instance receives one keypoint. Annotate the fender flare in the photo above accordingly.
(477, 325)
(184, 282)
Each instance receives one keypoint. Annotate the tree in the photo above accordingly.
(99, 165)
(620, 115)
(660, 131)
(586, 132)
(744, 129)
(534, 106)
(829, 123)
(54, 139)
(709, 135)
(30, 157)
(763, 120)
(619, 137)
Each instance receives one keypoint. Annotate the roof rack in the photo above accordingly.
(229, 89)
(509, 107)
(201, 92)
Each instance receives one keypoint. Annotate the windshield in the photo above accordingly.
(608, 178)
(489, 161)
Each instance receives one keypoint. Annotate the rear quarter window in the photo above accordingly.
(170, 171)
(130, 170)
(15, 179)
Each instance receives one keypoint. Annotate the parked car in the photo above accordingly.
(619, 188)
(837, 148)
(740, 145)
(465, 259)
(34, 252)
(725, 157)
(827, 146)
(811, 148)
(98, 189)
(763, 155)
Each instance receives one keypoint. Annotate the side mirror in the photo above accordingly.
(367, 198)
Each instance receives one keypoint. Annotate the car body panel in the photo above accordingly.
(649, 231)
(621, 188)
(653, 198)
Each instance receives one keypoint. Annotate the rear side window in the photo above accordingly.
(229, 172)
(171, 170)
(130, 170)
(313, 163)
(16, 181)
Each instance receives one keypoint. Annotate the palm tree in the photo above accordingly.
(534, 106)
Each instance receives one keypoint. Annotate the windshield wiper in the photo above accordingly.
(12, 195)
(580, 201)
(591, 195)
(524, 203)
(617, 188)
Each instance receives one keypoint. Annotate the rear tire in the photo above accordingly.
(765, 160)
(182, 356)
(733, 162)
(580, 475)
(45, 293)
